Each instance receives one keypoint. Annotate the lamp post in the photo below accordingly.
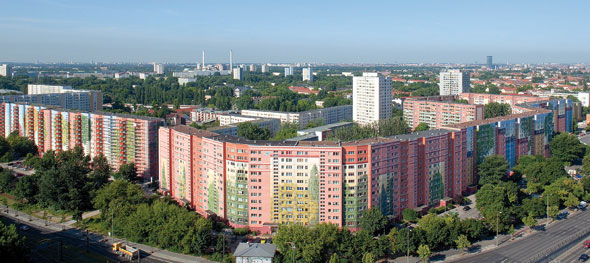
(293, 251)
(497, 226)
(547, 221)
(408, 255)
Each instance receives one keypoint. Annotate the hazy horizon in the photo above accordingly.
(339, 32)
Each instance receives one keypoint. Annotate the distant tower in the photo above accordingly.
(489, 62)
(203, 65)
(307, 74)
(454, 82)
(231, 60)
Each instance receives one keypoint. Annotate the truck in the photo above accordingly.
(125, 250)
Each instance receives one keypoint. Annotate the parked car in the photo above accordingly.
(466, 208)
(563, 215)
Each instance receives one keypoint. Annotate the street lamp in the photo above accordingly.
(408, 256)
(497, 226)
(547, 221)
(293, 253)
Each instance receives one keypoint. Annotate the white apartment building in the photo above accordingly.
(252, 68)
(454, 82)
(158, 68)
(584, 98)
(238, 73)
(371, 98)
(329, 115)
(307, 74)
(231, 119)
(5, 70)
(265, 68)
(46, 89)
(288, 71)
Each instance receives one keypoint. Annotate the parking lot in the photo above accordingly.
(463, 212)
(18, 168)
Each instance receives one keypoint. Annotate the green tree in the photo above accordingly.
(571, 200)
(12, 245)
(120, 194)
(334, 258)
(251, 131)
(101, 171)
(410, 215)
(529, 221)
(586, 183)
(463, 243)
(495, 109)
(424, 252)
(27, 188)
(373, 221)
(369, 258)
(421, 127)
(553, 211)
(287, 130)
(492, 170)
(20, 146)
(586, 164)
(127, 171)
(567, 148)
(7, 181)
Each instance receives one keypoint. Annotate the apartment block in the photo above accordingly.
(454, 82)
(80, 100)
(328, 115)
(439, 111)
(121, 138)
(371, 98)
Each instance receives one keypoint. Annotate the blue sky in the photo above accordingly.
(295, 31)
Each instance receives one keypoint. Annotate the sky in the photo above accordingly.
(416, 31)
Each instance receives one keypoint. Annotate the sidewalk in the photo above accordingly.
(68, 229)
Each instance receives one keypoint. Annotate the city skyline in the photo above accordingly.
(326, 32)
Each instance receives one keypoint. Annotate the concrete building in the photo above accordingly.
(184, 81)
(489, 62)
(46, 89)
(307, 74)
(289, 71)
(262, 184)
(252, 68)
(238, 91)
(5, 70)
(238, 73)
(255, 253)
(273, 125)
(371, 98)
(158, 68)
(584, 98)
(327, 115)
(439, 111)
(454, 82)
(86, 100)
(228, 119)
(265, 68)
(511, 99)
(121, 138)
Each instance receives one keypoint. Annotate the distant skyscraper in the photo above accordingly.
(252, 68)
(5, 70)
(454, 82)
(371, 98)
(307, 74)
(238, 72)
(158, 68)
(289, 71)
(264, 68)
(489, 62)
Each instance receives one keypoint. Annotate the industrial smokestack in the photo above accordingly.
(203, 66)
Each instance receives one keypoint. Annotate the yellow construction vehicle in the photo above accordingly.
(125, 250)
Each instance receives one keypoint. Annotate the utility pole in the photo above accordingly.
(86, 240)
(547, 221)
(113, 225)
(408, 255)
(497, 226)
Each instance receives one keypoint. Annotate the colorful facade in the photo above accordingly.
(263, 184)
(439, 111)
(120, 138)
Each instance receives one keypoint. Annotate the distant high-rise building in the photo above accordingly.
(489, 62)
(371, 98)
(158, 68)
(238, 73)
(253, 68)
(5, 70)
(264, 68)
(454, 82)
(307, 74)
(289, 71)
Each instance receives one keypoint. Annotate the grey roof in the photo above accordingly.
(255, 250)
(326, 127)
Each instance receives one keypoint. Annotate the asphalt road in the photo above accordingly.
(537, 247)
(73, 238)
(573, 253)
